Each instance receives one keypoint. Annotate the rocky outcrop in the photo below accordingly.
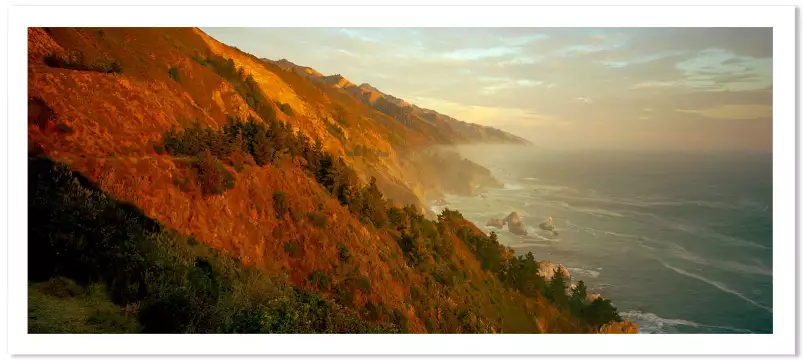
(592, 297)
(441, 202)
(497, 223)
(515, 225)
(547, 270)
(624, 327)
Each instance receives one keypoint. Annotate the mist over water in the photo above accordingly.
(681, 242)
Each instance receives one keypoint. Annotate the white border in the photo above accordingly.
(782, 19)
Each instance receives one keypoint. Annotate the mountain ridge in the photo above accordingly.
(394, 106)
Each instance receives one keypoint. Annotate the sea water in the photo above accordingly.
(681, 242)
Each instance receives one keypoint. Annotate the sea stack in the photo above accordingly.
(547, 270)
(515, 225)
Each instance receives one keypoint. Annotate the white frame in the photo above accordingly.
(781, 18)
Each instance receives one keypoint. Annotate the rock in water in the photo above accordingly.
(547, 270)
(515, 225)
(497, 223)
(546, 226)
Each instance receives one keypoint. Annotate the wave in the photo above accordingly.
(715, 284)
(650, 323)
(727, 265)
(584, 210)
(680, 252)
(705, 233)
(653, 202)
(591, 273)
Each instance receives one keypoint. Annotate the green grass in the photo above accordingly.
(61, 306)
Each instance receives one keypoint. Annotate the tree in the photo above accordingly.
(556, 290)
(577, 301)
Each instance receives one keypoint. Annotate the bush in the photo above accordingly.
(318, 278)
(174, 74)
(286, 109)
(280, 204)
(343, 252)
(64, 128)
(293, 249)
(75, 60)
(318, 219)
(362, 283)
(214, 178)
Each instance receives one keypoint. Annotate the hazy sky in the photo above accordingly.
(633, 88)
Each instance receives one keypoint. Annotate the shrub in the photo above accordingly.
(75, 60)
(64, 128)
(174, 74)
(400, 320)
(280, 204)
(362, 283)
(318, 219)
(343, 252)
(293, 249)
(214, 178)
(286, 109)
(318, 278)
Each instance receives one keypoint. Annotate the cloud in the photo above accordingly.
(481, 53)
(584, 100)
(734, 111)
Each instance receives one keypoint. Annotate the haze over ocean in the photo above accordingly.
(680, 241)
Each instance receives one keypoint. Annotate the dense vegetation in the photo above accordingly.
(426, 244)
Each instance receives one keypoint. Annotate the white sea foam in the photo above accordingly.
(650, 323)
(581, 271)
(716, 284)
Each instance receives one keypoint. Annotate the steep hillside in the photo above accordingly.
(180, 185)
(443, 128)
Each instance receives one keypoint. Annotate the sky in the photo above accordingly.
(564, 88)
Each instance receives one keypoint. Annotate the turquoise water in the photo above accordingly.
(681, 242)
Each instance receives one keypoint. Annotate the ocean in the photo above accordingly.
(681, 242)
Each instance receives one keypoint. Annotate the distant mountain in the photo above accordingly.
(442, 127)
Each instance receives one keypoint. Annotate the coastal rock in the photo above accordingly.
(624, 327)
(547, 270)
(592, 297)
(515, 225)
(441, 202)
(546, 226)
(497, 223)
